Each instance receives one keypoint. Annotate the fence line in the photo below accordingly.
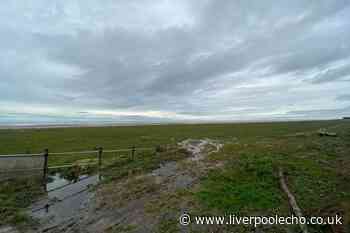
(98, 152)
(75, 152)
(46, 155)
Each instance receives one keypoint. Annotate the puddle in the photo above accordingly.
(166, 170)
(64, 199)
(183, 181)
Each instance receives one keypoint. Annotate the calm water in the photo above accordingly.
(64, 199)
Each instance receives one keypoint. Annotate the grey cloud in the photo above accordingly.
(334, 74)
(344, 98)
(190, 65)
(326, 113)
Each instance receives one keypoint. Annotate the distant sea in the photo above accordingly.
(45, 125)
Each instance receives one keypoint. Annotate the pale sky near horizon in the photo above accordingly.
(184, 60)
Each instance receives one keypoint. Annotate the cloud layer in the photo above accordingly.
(173, 60)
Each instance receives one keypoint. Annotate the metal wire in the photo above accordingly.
(73, 153)
(123, 150)
(21, 170)
(21, 155)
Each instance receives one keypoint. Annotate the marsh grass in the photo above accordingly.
(15, 196)
(78, 139)
(247, 186)
(317, 168)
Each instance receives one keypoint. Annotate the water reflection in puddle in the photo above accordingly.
(64, 199)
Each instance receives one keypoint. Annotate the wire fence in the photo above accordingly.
(15, 165)
(41, 164)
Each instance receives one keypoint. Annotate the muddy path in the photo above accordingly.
(130, 205)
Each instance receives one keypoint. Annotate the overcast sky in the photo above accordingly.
(183, 60)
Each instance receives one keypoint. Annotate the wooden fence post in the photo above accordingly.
(100, 151)
(45, 169)
(133, 152)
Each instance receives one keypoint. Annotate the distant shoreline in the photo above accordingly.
(93, 125)
(77, 125)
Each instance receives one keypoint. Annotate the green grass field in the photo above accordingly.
(75, 139)
(318, 168)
